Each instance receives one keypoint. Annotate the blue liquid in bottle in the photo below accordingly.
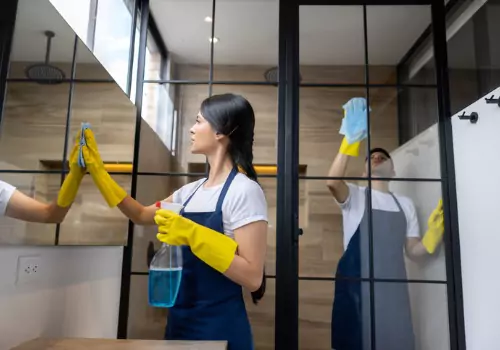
(165, 274)
(164, 286)
(165, 270)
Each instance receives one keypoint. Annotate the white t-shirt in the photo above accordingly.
(353, 210)
(6, 191)
(244, 203)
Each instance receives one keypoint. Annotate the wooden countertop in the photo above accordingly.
(121, 344)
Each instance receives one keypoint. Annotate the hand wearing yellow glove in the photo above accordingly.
(435, 229)
(69, 188)
(349, 149)
(214, 248)
(110, 190)
(354, 126)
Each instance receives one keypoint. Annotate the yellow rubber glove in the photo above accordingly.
(110, 190)
(435, 229)
(214, 248)
(350, 150)
(69, 188)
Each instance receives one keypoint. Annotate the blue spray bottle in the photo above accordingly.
(165, 270)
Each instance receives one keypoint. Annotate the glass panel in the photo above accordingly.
(418, 115)
(87, 65)
(234, 58)
(403, 313)
(169, 112)
(153, 64)
(405, 125)
(331, 231)
(144, 321)
(327, 55)
(262, 317)
(473, 56)
(264, 101)
(334, 316)
(29, 46)
(111, 116)
(398, 228)
(269, 186)
(321, 113)
(42, 187)
(159, 127)
(187, 35)
(77, 14)
(387, 43)
(407, 120)
(33, 125)
(321, 245)
(91, 221)
(411, 316)
(112, 38)
(418, 68)
(315, 314)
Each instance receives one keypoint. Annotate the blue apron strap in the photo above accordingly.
(223, 193)
(191, 196)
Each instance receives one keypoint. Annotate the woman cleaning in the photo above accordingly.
(17, 205)
(222, 228)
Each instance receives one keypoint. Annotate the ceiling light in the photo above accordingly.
(208, 19)
(215, 40)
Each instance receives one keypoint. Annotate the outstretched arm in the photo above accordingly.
(338, 188)
(138, 213)
(25, 208)
(416, 247)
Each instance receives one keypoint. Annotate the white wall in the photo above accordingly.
(78, 296)
(419, 158)
(477, 168)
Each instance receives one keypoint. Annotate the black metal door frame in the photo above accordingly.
(288, 231)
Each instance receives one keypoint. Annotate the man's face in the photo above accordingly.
(381, 165)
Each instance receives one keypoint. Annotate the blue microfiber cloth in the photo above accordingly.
(83, 142)
(354, 124)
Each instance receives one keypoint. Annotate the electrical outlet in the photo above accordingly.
(29, 269)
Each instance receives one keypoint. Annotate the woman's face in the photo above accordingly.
(204, 139)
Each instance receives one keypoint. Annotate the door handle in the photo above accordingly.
(301, 231)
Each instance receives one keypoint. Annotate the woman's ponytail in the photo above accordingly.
(241, 152)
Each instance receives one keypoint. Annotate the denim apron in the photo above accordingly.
(209, 305)
(351, 327)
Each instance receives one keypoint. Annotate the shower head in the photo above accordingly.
(271, 75)
(45, 73)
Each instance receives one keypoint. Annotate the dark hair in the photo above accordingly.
(232, 115)
(380, 150)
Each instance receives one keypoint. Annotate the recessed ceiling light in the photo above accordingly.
(215, 40)
(208, 19)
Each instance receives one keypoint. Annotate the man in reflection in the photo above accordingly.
(395, 230)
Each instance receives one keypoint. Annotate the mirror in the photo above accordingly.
(44, 108)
